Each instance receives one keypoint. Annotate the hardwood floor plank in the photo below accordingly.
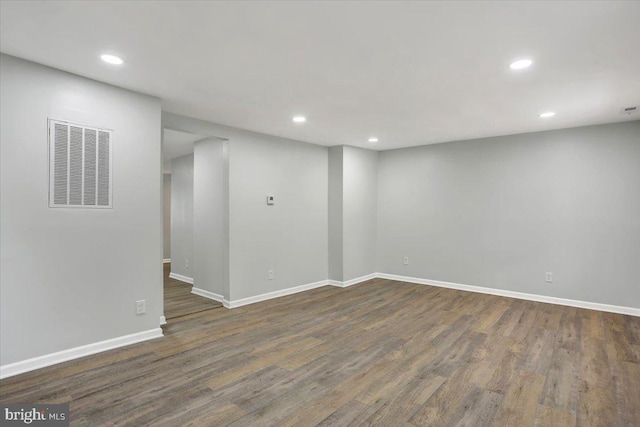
(490, 317)
(593, 323)
(596, 406)
(505, 370)
(412, 395)
(347, 414)
(257, 362)
(571, 332)
(538, 356)
(632, 329)
(520, 402)
(594, 363)
(445, 402)
(546, 416)
(560, 389)
(478, 409)
(279, 408)
(627, 392)
(222, 416)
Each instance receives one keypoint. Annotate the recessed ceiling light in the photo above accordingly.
(520, 64)
(374, 139)
(547, 114)
(299, 119)
(111, 59)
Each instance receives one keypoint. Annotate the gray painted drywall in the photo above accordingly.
(289, 237)
(211, 216)
(182, 216)
(360, 198)
(166, 216)
(71, 277)
(500, 212)
(335, 213)
(353, 193)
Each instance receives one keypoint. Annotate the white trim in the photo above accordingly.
(631, 311)
(207, 294)
(181, 278)
(274, 294)
(352, 282)
(75, 353)
(163, 320)
(166, 260)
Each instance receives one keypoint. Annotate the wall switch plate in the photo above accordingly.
(548, 277)
(270, 274)
(405, 260)
(141, 306)
(271, 200)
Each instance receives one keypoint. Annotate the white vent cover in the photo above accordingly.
(80, 165)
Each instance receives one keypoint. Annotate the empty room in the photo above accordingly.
(320, 213)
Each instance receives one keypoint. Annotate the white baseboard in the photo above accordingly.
(274, 294)
(352, 282)
(207, 294)
(23, 366)
(513, 294)
(181, 278)
(294, 290)
(450, 285)
(163, 320)
(166, 260)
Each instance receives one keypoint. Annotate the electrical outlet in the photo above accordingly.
(405, 260)
(548, 277)
(186, 263)
(141, 306)
(270, 275)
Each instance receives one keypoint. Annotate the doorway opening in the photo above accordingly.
(179, 300)
(178, 227)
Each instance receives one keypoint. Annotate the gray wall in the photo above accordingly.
(360, 198)
(166, 216)
(353, 194)
(500, 212)
(71, 277)
(289, 237)
(335, 213)
(182, 215)
(211, 216)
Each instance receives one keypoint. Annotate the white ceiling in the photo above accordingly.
(410, 73)
(176, 144)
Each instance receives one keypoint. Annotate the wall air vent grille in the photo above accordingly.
(80, 166)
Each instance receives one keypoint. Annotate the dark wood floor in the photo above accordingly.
(378, 353)
(178, 299)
